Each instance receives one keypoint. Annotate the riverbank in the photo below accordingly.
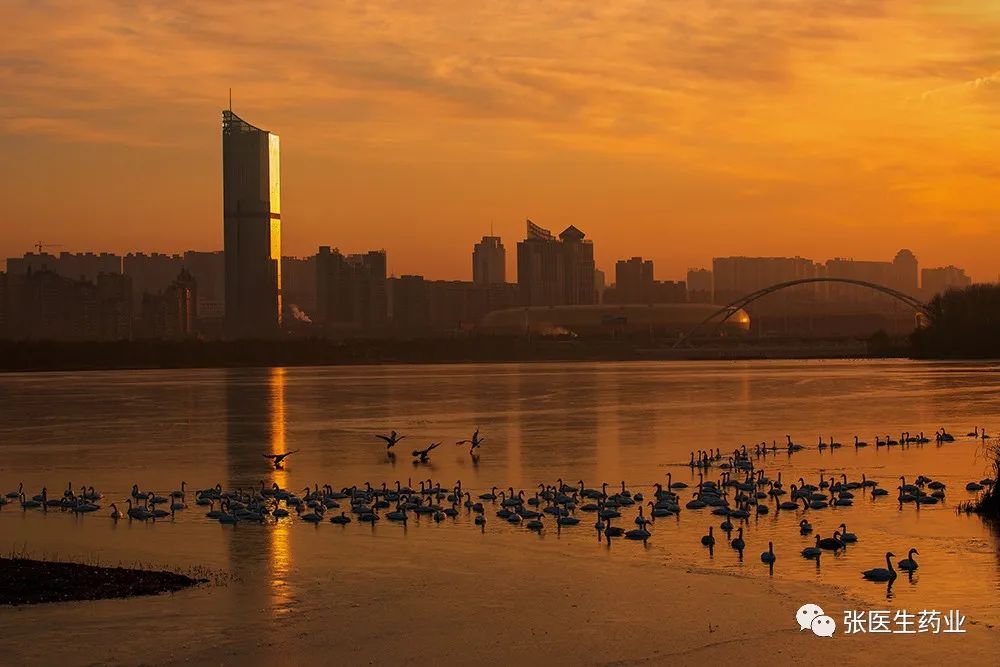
(20, 356)
(25, 581)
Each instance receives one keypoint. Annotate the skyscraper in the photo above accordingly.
(251, 195)
(552, 272)
(489, 262)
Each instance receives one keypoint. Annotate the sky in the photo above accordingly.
(677, 130)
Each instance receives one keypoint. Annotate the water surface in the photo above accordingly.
(601, 422)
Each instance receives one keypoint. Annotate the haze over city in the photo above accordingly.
(646, 332)
(679, 131)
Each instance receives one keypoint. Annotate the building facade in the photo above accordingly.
(699, 286)
(633, 280)
(489, 262)
(938, 280)
(734, 277)
(553, 271)
(351, 294)
(251, 196)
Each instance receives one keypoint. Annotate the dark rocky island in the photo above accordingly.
(28, 581)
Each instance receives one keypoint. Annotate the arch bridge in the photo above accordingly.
(729, 309)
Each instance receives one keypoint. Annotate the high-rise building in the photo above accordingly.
(905, 275)
(209, 272)
(421, 307)
(734, 277)
(699, 286)
(351, 291)
(151, 273)
(489, 259)
(899, 274)
(552, 272)
(114, 306)
(633, 280)
(172, 313)
(251, 185)
(599, 286)
(941, 279)
(74, 265)
(298, 288)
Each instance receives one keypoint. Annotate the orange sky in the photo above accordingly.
(677, 129)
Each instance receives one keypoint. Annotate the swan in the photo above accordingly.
(832, 543)
(805, 527)
(859, 443)
(738, 543)
(391, 439)
(638, 534)
(341, 519)
(671, 484)
(27, 503)
(140, 513)
(909, 564)
(708, 540)
(845, 536)
(115, 514)
(535, 524)
(882, 573)
(313, 517)
(812, 552)
(613, 531)
(768, 556)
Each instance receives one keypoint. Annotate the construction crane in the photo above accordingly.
(40, 245)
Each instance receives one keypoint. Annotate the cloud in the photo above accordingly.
(982, 83)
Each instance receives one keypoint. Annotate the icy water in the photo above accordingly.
(602, 422)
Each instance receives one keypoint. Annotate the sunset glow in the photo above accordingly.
(677, 130)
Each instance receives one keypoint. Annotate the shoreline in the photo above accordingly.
(26, 581)
(42, 356)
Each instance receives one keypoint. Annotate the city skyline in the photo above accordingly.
(672, 121)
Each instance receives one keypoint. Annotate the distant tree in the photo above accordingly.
(964, 324)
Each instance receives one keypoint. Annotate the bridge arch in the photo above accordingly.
(729, 309)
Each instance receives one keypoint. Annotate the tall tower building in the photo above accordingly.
(251, 201)
(553, 272)
(905, 273)
(489, 260)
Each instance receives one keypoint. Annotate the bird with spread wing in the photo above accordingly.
(391, 439)
(474, 442)
(423, 455)
(278, 458)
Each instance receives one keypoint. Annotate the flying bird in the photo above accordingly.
(473, 442)
(391, 439)
(423, 455)
(278, 458)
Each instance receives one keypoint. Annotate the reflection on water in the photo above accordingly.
(592, 422)
(256, 425)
